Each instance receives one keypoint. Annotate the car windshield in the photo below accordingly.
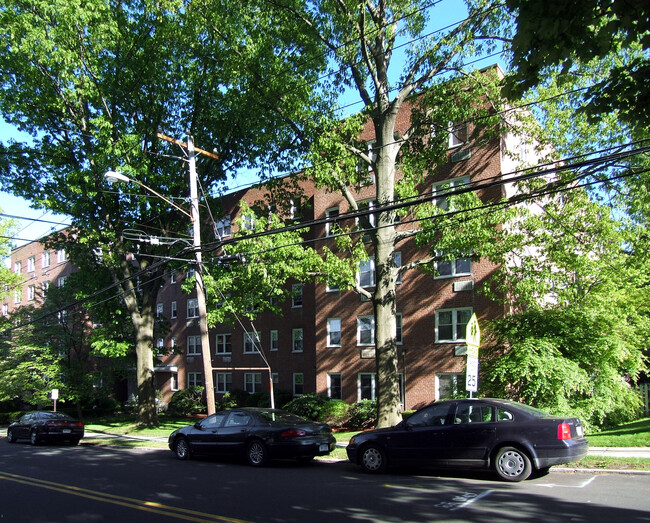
(280, 415)
(53, 415)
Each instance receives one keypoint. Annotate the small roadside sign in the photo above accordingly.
(473, 340)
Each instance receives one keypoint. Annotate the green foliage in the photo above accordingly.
(363, 415)
(310, 406)
(187, 402)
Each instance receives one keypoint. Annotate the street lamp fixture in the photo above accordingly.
(114, 176)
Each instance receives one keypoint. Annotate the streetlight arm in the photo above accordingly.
(114, 177)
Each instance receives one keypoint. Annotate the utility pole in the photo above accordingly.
(200, 289)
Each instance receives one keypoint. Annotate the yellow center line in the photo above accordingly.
(147, 506)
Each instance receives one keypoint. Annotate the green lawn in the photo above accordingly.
(634, 434)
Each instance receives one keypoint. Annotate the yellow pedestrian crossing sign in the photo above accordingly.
(473, 336)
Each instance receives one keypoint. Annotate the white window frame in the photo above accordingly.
(61, 256)
(194, 379)
(174, 311)
(361, 322)
(193, 345)
(371, 204)
(297, 339)
(453, 270)
(397, 257)
(274, 339)
(373, 385)
(297, 295)
(31, 292)
(223, 343)
(251, 342)
(173, 381)
(160, 345)
(172, 277)
(456, 336)
(60, 281)
(31, 264)
(369, 266)
(160, 308)
(447, 187)
(332, 212)
(456, 132)
(223, 382)
(45, 285)
(458, 377)
(18, 267)
(334, 322)
(192, 308)
(338, 376)
(223, 226)
(45, 259)
(253, 382)
(298, 383)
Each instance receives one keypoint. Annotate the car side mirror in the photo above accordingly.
(197, 425)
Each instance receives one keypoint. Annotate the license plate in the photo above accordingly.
(580, 431)
(324, 447)
(67, 431)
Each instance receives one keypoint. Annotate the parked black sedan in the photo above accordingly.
(257, 434)
(43, 426)
(511, 438)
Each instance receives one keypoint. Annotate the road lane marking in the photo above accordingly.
(579, 485)
(459, 501)
(137, 504)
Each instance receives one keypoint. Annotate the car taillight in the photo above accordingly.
(563, 431)
(293, 433)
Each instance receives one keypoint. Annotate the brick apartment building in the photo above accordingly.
(324, 340)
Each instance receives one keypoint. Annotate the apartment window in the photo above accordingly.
(275, 378)
(457, 134)
(367, 386)
(224, 344)
(331, 288)
(449, 384)
(193, 345)
(398, 334)
(446, 188)
(364, 168)
(367, 273)
(173, 381)
(62, 317)
(251, 342)
(194, 379)
(190, 273)
(31, 264)
(334, 390)
(173, 342)
(458, 267)
(45, 259)
(248, 223)
(159, 311)
(174, 312)
(223, 227)
(371, 217)
(31, 292)
(365, 330)
(223, 382)
(172, 277)
(192, 308)
(298, 383)
(18, 267)
(252, 382)
(274, 342)
(331, 214)
(334, 332)
(45, 286)
(60, 256)
(160, 345)
(297, 340)
(5, 309)
(451, 324)
(60, 281)
(296, 295)
(18, 296)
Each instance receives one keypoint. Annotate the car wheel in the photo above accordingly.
(75, 441)
(256, 453)
(10, 436)
(512, 464)
(33, 438)
(373, 459)
(182, 448)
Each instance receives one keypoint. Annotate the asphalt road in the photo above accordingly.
(107, 484)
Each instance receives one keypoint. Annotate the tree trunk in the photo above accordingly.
(147, 415)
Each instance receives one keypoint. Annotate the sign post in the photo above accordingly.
(55, 396)
(473, 337)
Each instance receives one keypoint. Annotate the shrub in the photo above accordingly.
(311, 406)
(363, 415)
(187, 402)
(337, 413)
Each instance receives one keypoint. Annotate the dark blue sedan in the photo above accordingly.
(258, 434)
(511, 438)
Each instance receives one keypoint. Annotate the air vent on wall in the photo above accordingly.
(466, 285)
